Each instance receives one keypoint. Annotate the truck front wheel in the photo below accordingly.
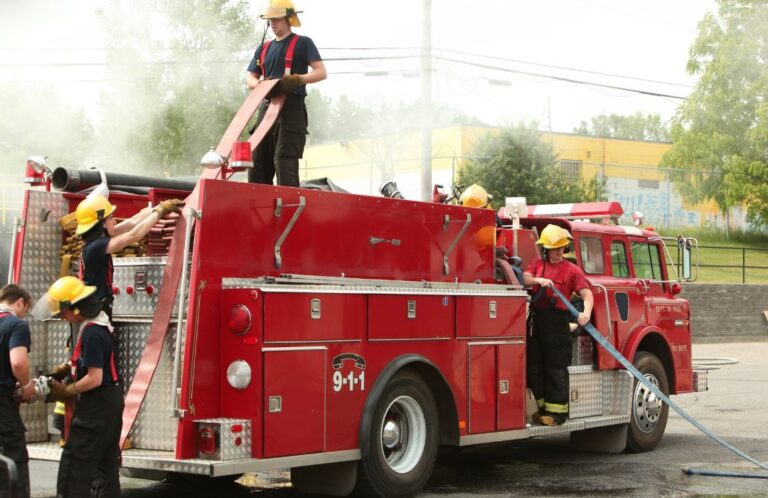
(402, 441)
(648, 417)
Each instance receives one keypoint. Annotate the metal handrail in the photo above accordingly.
(192, 215)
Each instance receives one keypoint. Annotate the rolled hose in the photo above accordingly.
(598, 337)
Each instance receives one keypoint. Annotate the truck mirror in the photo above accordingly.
(686, 266)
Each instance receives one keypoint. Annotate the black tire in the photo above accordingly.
(402, 441)
(648, 417)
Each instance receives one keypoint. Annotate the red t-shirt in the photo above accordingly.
(568, 278)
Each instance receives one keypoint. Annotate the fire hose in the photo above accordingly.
(602, 341)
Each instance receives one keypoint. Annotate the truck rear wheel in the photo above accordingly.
(648, 417)
(403, 439)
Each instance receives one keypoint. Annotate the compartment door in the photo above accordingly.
(294, 401)
(511, 386)
(482, 388)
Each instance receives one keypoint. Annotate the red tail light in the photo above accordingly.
(676, 288)
(207, 441)
(239, 320)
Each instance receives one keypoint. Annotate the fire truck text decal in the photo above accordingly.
(353, 379)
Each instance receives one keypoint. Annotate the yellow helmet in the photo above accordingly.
(554, 237)
(64, 293)
(475, 196)
(277, 9)
(92, 210)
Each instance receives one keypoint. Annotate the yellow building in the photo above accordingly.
(629, 168)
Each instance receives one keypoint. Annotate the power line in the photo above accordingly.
(178, 62)
(560, 78)
(551, 66)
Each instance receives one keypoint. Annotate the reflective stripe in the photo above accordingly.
(555, 408)
(59, 408)
(540, 402)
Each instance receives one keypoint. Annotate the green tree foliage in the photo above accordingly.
(720, 133)
(178, 76)
(636, 126)
(517, 163)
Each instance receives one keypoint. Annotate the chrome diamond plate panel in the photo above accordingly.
(586, 393)
(39, 269)
(617, 392)
(154, 429)
(137, 273)
(583, 351)
(233, 445)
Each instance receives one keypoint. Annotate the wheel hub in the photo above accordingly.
(647, 406)
(391, 435)
(403, 434)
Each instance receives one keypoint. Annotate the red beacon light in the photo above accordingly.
(241, 158)
(675, 288)
(37, 172)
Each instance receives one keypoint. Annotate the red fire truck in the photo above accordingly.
(347, 337)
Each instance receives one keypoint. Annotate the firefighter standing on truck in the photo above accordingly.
(15, 342)
(91, 454)
(549, 340)
(102, 238)
(287, 58)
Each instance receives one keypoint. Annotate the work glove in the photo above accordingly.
(288, 84)
(62, 392)
(60, 372)
(169, 206)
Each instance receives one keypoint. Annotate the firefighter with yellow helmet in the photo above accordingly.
(289, 58)
(477, 197)
(549, 341)
(89, 464)
(102, 237)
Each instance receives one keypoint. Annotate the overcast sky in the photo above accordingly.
(643, 44)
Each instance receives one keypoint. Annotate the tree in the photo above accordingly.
(517, 163)
(720, 133)
(178, 79)
(636, 126)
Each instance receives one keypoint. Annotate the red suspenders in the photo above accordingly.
(78, 347)
(288, 56)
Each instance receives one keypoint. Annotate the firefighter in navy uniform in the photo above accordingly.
(549, 339)
(89, 464)
(15, 343)
(288, 58)
(102, 238)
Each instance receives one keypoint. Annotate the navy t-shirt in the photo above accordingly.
(97, 266)
(14, 333)
(95, 352)
(274, 62)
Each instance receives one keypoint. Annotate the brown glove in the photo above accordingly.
(60, 372)
(169, 206)
(62, 392)
(288, 84)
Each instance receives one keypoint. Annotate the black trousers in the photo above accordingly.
(548, 357)
(279, 153)
(91, 457)
(12, 442)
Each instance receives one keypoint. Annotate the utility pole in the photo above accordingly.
(426, 101)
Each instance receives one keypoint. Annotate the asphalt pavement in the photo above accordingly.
(735, 408)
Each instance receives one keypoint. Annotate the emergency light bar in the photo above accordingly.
(579, 210)
(575, 211)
